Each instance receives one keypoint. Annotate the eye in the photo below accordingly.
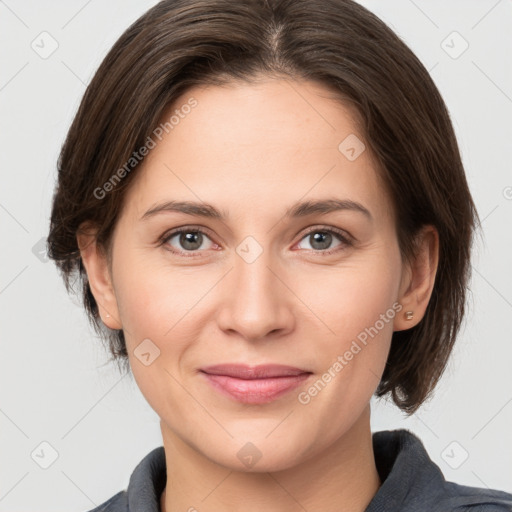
(321, 239)
(194, 240)
(187, 239)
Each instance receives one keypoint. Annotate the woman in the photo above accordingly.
(266, 207)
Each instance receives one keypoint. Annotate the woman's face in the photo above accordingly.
(270, 282)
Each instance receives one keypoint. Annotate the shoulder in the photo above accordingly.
(412, 482)
(462, 498)
(146, 484)
(118, 503)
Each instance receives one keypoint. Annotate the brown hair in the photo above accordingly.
(338, 43)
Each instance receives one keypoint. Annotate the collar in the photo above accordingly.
(411, 481)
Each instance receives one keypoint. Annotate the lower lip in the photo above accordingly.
(255, 391)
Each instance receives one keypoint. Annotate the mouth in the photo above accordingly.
(254, 384)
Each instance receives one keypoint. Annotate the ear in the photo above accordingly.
(100, 281)
(418, 279)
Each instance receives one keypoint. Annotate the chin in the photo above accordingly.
(258, 457)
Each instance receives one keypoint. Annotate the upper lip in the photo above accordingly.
(243, 371)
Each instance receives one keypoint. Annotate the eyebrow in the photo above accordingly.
(301, 209)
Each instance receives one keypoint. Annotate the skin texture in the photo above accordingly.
(252, 151)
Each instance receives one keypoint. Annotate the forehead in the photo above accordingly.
(243, 144)
(276, 113)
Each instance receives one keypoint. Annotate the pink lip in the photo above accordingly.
(254, 384)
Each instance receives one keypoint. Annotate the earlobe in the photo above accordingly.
(96, 265)
(418, 280)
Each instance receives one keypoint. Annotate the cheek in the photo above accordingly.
(156, 299)
(152, 296)
(350, 298)
(158, 305)
(356, 306)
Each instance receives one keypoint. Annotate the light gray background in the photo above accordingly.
(53, 386)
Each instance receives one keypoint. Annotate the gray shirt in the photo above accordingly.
(411, 482)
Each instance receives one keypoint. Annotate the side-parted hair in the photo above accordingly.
(178, 44)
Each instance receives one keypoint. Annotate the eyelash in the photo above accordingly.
(341, 235)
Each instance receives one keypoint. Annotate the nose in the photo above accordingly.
(256, 302)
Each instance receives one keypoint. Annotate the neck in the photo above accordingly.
(345, 473)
